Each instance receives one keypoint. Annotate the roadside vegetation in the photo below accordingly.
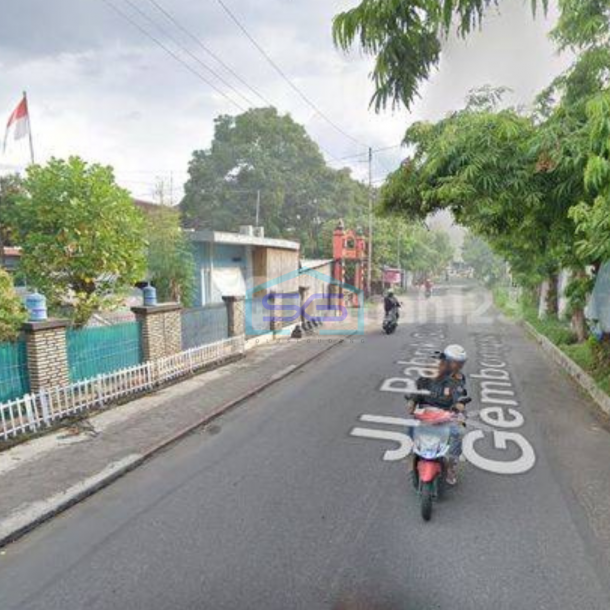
(591, 355)
(532, 185)
(263, 167)
(84, 245)
(170, 260)
(12, 312)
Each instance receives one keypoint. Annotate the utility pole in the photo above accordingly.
(258, 205)
(370, 242)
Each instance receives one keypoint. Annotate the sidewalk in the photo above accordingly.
(42, 477)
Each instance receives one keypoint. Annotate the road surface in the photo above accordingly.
(279, 506)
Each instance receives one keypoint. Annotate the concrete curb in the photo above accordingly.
(35, 514)
(584, 380)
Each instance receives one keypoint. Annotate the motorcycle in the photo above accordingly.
(390, 322)
(431, 444)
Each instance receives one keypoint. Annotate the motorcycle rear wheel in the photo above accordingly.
(426, 500)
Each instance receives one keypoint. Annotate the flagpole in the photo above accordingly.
(25, 97)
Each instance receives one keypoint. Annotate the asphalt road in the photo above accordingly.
(277, 506)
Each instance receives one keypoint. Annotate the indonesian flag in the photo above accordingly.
(18, 123)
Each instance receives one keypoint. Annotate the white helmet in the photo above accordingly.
(455, 353)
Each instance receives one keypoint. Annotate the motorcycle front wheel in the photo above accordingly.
(415, 476)
(426, 500)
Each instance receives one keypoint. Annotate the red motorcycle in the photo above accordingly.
(431, 444)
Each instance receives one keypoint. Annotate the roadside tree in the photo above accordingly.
(83, 240)
(488, 267)
(12, 312)
(10, 188)
(406, 37)
(266, 160)
(171, 266)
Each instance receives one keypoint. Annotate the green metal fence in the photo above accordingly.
(255, 314)
(94, 351)
(14, 379)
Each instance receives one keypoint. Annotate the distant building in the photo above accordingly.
(147, 207)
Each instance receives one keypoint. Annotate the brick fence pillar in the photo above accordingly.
(161, 329)
(236, 315)
(47, 354)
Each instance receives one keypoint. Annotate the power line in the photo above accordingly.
(184, 49)
(209, 51)
(181, 61)
(279, 70)
(153, 171)
(215, 56)
(399, 145)
(383, 166)
(365, 154)
(146, 33)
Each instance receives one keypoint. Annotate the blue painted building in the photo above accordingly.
(227, 264)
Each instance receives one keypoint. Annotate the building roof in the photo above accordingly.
(145, 206)
(240, 239)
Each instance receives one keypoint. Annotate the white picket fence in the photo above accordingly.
(35, 411)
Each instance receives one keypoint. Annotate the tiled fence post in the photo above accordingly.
(303, 290)
(47, 354)
(235, 315)
(161, 329)
(275, 323)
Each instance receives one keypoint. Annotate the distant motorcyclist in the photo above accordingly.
(428, 286)
(446, 391)
(391, 303)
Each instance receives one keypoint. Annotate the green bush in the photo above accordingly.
(587, 355)
(503, 302)
(12, 311)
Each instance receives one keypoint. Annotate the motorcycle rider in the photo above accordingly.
(428, 286)
(446, 391)
(391, 304)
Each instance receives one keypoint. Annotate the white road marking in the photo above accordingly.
(391, 421)
(391, 455)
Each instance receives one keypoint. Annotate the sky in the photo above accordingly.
(100, 88)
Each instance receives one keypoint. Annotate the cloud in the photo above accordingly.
(101, 89)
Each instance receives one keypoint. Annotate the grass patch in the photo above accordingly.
(586, 354)
(503, 301)
(557, 331)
